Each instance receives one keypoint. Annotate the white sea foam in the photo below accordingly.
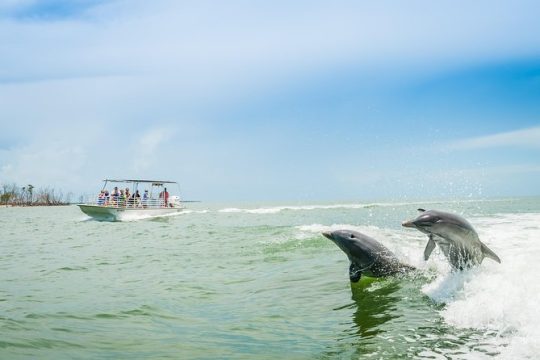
(137, 217)
(318, 228)
(195, 211)
(278, 209)
(502, 298)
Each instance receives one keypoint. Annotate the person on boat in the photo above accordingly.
(135, 199)
(101, 198)
(122, 198)
(145, 199)
(115, 196)
(165, 197)
(128, 197)
(107, 197)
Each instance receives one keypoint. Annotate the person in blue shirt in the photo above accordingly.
(145, 198)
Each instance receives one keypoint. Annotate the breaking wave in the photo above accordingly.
(352, 206)
(501, 299)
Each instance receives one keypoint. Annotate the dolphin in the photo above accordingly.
(455, 236)
(367, 255)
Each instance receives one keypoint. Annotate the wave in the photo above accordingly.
(277, 209)
(187, 211)
(352, 206)
(501, 299)
(319, 228)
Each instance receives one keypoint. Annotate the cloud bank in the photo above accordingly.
(239, 98)
(528, 138)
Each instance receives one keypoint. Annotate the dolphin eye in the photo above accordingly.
(352, 236)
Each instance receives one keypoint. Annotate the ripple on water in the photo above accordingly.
(73, 268)
(248, 285)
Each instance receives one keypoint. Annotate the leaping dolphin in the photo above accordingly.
(367, 255)
(455, 236)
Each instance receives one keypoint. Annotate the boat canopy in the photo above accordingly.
(136, 182)
(156, 182)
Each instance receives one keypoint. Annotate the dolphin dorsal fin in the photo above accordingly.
(489, 253)
(421, 210)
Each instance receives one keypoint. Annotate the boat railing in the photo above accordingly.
(137, 203)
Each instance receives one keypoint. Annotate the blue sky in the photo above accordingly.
(281, 101)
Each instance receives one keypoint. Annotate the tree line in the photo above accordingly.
(15, 195)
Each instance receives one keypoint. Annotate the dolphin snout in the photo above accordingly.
(328, 235)
(409, 223)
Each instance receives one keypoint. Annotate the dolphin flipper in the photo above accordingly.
(355, 273)
(429, 247)
(489, 253)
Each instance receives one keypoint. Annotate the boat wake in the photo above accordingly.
(138, 217)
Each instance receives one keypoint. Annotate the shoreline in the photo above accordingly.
(32, 205)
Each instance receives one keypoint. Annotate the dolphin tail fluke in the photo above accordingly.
(489, 253)
(429, 247)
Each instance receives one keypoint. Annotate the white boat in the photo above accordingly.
(147, 198)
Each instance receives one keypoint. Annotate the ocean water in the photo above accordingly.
(260, 282)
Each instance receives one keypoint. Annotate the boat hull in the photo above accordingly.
(107, 213)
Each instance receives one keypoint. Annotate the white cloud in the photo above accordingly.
(183, 65)
(529, 138)
(54, 164)
(230, 43)
(147, 149)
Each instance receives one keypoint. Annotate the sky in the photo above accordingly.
(273, 101)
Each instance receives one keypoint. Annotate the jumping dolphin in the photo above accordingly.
(367, 255)
(455, 236)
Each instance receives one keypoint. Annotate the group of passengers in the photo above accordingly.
(124, 198)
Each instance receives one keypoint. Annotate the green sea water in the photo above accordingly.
(259, 281)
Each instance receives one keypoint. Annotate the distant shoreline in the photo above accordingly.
(15, 195)
(32, 205)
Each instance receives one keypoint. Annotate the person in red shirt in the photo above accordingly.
(165, 196)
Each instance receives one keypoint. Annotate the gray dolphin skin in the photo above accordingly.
(454, 235)
(367, 255)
